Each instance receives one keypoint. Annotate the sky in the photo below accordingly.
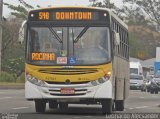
(45, 3)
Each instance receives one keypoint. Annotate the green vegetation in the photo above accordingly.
(20, 11)
(12, 52)
(6, 77)
(143, 41)
(11, 78)
(13, 63)
(141, 17)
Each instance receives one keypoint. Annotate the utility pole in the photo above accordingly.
(1, 19)
(111, 3)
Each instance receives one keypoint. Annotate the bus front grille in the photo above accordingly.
(67, 94)
(64, 83)
(68, 71)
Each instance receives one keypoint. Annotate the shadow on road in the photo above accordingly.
(77, 111)
(70, 113)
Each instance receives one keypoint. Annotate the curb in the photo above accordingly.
(12, 87)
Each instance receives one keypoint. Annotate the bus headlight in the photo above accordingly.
(34, 80)
(101, 80)
(94, 83)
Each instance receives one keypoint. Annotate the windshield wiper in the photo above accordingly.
(81, 34)
(55, 34)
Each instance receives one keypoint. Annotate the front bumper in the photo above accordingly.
(82, 91)
(135, 86)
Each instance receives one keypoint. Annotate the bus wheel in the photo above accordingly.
(53, 104)
(63, 105)
(107, 106)
(156, 91)
(40, 105)
(151, 91)
(119, 105)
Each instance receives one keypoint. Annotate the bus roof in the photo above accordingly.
(98, 8)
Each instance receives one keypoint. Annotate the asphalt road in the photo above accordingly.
(13, 101)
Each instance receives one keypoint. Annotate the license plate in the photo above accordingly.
(67, 91)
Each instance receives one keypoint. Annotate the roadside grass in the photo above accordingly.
(11, 84)
(7, 79)
(11, 81)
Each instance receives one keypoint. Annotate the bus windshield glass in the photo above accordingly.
(68, 45)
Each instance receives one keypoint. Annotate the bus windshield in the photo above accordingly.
(68, 45)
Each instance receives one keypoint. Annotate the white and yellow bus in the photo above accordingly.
(76, 55)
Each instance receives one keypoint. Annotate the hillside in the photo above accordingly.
(143, 41)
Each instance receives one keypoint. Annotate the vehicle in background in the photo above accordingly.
(136, 68)
(148, 82)
(156, 67)
(144, 85)
(136, 81)
(155, 84)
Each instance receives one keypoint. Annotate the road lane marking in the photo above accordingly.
(139, 107)
(20, 108)
(5, 98)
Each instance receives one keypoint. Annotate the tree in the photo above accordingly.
(107, 4)
(149, 8)
(20, 11)
(142, 38)
(12, 51)
(104, 4)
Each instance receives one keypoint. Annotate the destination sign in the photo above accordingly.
(74, 15)
(67, 15)
(43, 56)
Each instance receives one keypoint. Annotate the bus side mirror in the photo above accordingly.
(22, 32)
(116, 38)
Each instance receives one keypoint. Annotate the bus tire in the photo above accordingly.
(63, 105)
(119, 105)
(53, 104)
(113, 106)
(107, 106)
(151, 91)
(40, 106)
(156, 91)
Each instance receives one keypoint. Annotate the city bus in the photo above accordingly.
(76, 55)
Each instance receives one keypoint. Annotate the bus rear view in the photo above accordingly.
(68, 58)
